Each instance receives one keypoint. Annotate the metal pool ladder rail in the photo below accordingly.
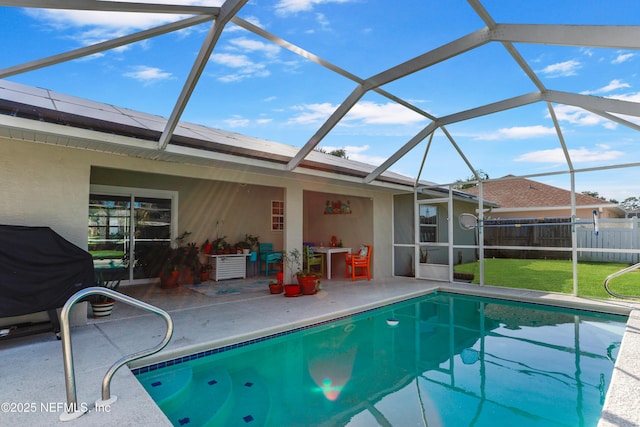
(620, 273)
(72, 410)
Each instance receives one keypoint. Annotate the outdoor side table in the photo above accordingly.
(228, 266)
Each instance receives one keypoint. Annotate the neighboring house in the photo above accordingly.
(524, 198)
(533, 214)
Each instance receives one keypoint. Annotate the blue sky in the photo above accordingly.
(254, 87)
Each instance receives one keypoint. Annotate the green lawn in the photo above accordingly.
(554, 276)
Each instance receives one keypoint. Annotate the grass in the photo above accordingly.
(554, 276)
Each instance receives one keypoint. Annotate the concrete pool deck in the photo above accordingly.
(32, 372)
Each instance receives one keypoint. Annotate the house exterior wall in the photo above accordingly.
(50, 185)
(44, 185)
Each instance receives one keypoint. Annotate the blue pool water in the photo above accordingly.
(441, 360)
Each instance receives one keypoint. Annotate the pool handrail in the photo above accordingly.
(620, 273)
(67, 353)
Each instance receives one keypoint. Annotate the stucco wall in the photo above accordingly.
(44, 185)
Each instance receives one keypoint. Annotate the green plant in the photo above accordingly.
(293, 262)
(112, 283)
(219, 243)
(243, 244)
(253, 241)
(192, 257)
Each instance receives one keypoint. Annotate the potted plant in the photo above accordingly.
(219, 245)
(205, 271)
(309, 282)
(275, 287)
(102, 305)
(253, 241)
(170, 274)
(191, 264)
(243, 247)
(293, 264)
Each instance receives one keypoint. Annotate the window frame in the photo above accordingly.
(277, 215)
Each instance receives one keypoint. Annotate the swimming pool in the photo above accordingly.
(443, 359)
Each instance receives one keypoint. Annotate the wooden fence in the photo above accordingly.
(616, 237)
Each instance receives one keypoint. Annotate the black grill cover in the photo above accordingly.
(39, 270)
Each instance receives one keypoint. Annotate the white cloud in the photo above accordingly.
(244, 44)
(312, 113)
(237, 56)
(623, 57)
(562, 69)
(237, 122)
(579, 155)
(359, 153)
(577, 116)
(518, 132)
(322, 20)
(614, 84)
(245, 67)
(368, 113)
(147, 74)
(285, 7)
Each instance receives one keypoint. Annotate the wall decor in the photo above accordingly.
(337, 207)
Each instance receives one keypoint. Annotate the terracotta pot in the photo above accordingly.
(291, 290)
(276, 288)
(169, 280)
(309, 284)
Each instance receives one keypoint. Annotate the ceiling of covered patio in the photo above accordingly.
(432, 90)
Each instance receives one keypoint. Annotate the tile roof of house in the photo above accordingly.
(525, 193)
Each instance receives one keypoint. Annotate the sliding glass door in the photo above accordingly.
(130, 230)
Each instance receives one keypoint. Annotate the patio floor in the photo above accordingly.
(33, 376)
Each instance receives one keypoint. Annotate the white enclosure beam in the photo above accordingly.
(113, 6)
(101, 47)
(401, 152)
(320, 61)
(435, 56)
(333, 120)
(608, 36)
(589, 102)
(227, 11)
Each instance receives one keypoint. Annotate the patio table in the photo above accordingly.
(328, 251)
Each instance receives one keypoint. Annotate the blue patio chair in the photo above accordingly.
(268, 256)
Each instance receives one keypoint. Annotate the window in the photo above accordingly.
(428, 223)
(277, 215)
(131, 227)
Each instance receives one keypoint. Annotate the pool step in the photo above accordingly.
(165, 384)
(209, 392)
(250, 402)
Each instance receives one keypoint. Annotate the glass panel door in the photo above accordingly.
(152, 236)
(116, 231)
(109, 229)
(433, 239)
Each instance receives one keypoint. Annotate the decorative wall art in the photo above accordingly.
(337, 207)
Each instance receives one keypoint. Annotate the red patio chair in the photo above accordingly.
(361, 261)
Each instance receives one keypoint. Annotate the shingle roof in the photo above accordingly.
(525, 193)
